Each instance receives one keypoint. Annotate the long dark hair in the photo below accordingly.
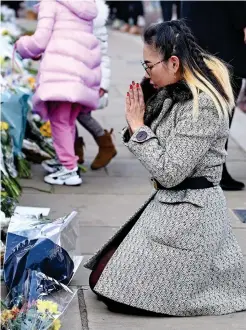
(200, 70)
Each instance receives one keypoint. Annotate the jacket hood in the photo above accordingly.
(103, 13)
(85, 9)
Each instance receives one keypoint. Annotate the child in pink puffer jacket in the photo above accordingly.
(69, 75)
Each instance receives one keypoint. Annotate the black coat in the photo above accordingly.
(218, 27)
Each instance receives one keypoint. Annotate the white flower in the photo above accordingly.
(4, 222)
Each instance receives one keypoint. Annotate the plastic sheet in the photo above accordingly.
(42, 313)
(38, 244)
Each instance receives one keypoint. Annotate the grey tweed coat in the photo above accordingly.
(178, 255)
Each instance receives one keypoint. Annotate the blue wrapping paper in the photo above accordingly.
(14, 109)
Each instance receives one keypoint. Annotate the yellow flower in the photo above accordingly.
(4, 126)
(6, 315)
(1, 60)
(56, 324)
(5, 32)
(45, 129)
(31, 82)
(47, 306)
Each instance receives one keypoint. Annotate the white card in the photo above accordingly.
(27, 210)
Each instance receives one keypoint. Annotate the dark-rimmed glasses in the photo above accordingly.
(148, 68)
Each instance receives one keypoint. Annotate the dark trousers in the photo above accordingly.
(128, 9)
(167, 9)
(113, 8)
(135, 10)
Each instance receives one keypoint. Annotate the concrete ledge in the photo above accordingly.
(238, 128)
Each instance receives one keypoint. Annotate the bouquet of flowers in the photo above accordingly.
(45, 129)
(8, 205)
(33, 152)
(7, 14)
(42, 313)
(9, 27)
(14, 112)
(9, 185)
(33, 133)
(2, 251)
(7, 150)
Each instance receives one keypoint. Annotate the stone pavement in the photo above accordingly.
(108, 197)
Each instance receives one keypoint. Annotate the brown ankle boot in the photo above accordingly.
(106, 152)
(79, 149)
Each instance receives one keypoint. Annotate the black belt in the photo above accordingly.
(189, 183)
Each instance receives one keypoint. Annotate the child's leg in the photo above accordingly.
(103, 139)
(78, 142)
(76, 132)
(90, 124)
(60, 114)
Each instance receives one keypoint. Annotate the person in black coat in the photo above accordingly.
(219, 27)
(167, 9)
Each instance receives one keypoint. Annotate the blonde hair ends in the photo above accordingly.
(196, 81)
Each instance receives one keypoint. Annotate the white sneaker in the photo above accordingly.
(141, 22)
(64, 177)
(51, 165)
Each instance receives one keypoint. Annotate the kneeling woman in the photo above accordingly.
(177, 254)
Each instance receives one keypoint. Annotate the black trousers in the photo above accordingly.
(167, 9)
(113, 8)
(128, 9)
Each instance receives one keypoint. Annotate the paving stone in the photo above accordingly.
(99, 318)
(72, 319)
(241, 235)
(237, 169)
(93, 210)
(105, 185)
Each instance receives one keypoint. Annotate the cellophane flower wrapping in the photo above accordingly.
(33, 133)
(42, 313)
(36, 243)
(14, 111)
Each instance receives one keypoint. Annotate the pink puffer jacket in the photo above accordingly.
(70, 66)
